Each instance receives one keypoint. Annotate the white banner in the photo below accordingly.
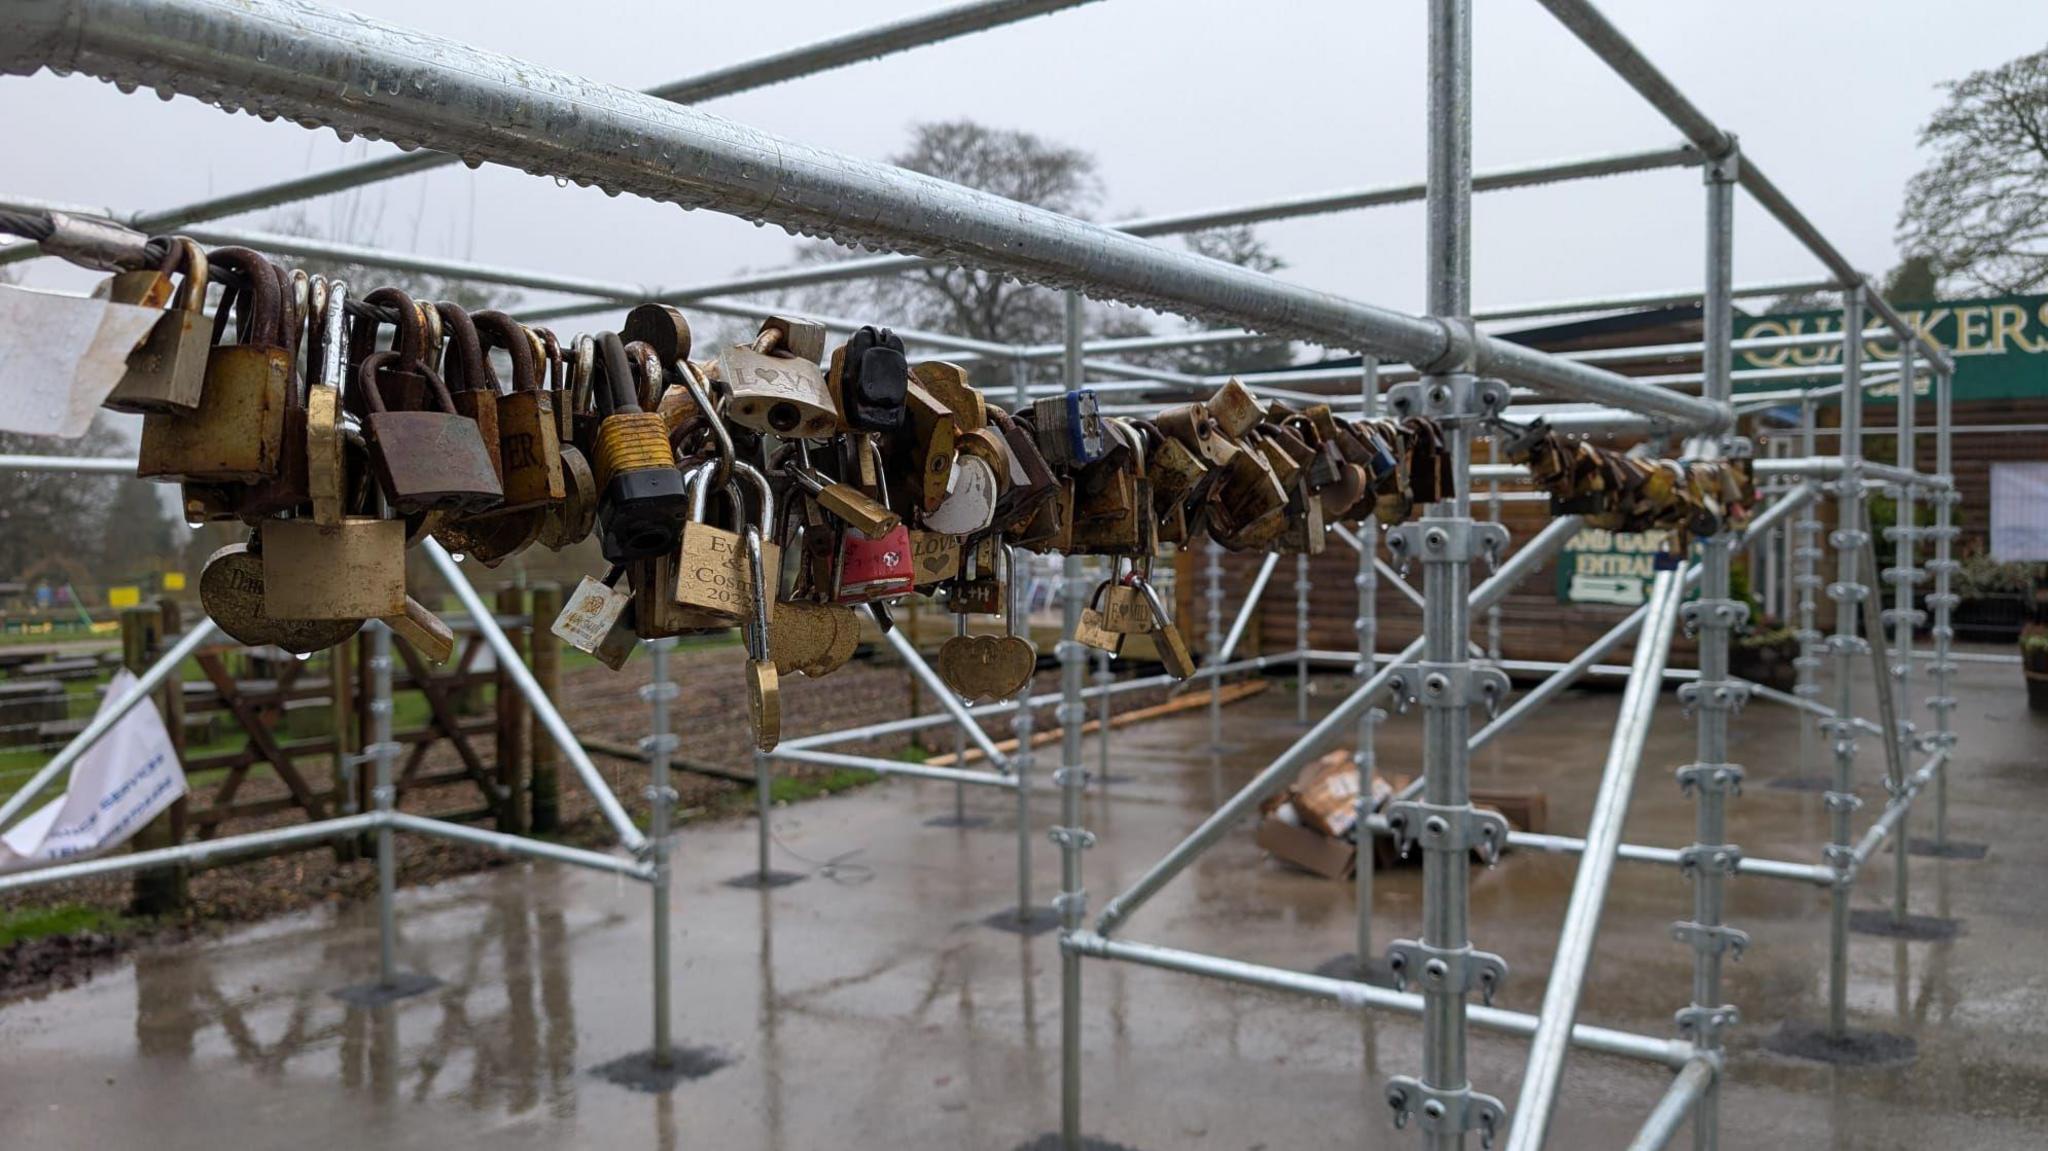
(117, 787)
(2019, 513)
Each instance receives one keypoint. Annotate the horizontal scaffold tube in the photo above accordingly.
(336, 69)
(1670, 1052)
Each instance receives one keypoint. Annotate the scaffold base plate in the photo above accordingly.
(1034, 921)
(1926, 928)
(1050, 1141)
(1853, 1048)
(1953, 849)
(1377, 971)
(639, 1071)
(763, 881)
(404, 985)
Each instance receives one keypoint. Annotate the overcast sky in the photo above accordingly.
(1187, 104)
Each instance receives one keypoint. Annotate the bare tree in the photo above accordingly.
(57, 516)
(1980, 210)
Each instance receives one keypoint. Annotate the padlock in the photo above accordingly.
(290, 487)
(935, 556)
(971, 506)
(1234, 408)
(1090, 630)
(764, 689)
(867, 568)
(868, 379)
(813, 639)
(1032, 483)
(979, 588)
(231, 592)
(570, 520)
(327, 477)
(470, 382)
(425, 460)
(1166, 638)
(428, 633)
(590, 611)
(236, 434)
(401, 384)
(775, 388)
(1070, 430)
(982, 668)
(530, 455)
(843, 501)
(948, 384)
(354, 571)
(930, 449)
(167, 370)
(641, 498)
(711, 566)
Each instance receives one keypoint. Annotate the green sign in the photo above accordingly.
(1601, 566)
(2000, 346)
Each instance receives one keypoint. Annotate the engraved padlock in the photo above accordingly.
(776, 384)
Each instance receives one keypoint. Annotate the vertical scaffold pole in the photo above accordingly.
(1902, 575)
(659, 746)
(1022, 760)
(1493, 517)
(1445, 540)
(1367, 626)
(1848, 592)
(1301, 589)
(385, 795)
(1103, 679)
(959, 744)
(1943, 600)
(1072, 839)
(1711, 859)
(1806, 584)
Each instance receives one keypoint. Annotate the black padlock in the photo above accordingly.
(874, 380)
(641, 498)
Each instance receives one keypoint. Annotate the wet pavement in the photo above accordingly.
(868, 1007)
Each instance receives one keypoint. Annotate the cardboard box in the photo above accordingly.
(1306, 849)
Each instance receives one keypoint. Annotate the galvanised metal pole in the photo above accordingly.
(198, 633)
(1282, 770)
(1848, 592)
(314, 66)
(1944, 599)
(659, 745)
(1021, 761)
(1807, 582)
(806, 60)
(1445, 540)
(1715, 615)
(1102, 681)
(1902, 575)
(1686, 1091)
(959, 743)
(1301, 589)
(1249, 610)
(381, 752)
(1070, 835)
(1544, 1068)
(1215, 657)
(763, 873)
(1024, 758)
(1368, 627)
(1493, 506)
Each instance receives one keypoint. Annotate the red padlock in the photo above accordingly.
(869, 569)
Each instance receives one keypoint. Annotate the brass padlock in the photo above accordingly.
(764, 690)
(1166, 638)
(1091, 630)
(775, 389)
(936, 557)
(570, 520)
(711, 569)
(930, 450)
(989, 667)
(231, 592)
(1234, 408)
(641, 498)
(236, 434)
(167, 371)
(354, 571)
(470, 383)
(327, 478)
(290, 487)
(428, 633)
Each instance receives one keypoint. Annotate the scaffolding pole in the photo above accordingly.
(1848, 592)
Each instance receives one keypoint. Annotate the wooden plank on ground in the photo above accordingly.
(1231, 694)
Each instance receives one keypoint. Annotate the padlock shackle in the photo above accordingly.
(463, 368)
(410, 341)
(185, 252)
(700, 391)
(495, 329)
(648, 375)
(582, 382)
(618, 396)
(756, 630)
(376, 362)
(333, 325)
(255, 304)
